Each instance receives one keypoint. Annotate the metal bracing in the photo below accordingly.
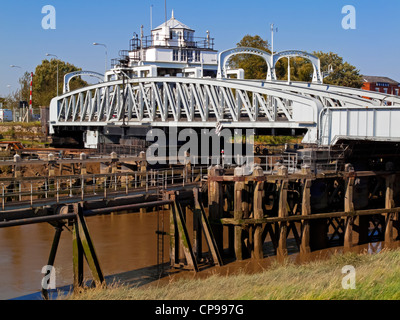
(183, 100)
(325, 111)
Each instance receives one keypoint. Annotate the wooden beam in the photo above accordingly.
(207, 230)
(317, 216)
(184, 237)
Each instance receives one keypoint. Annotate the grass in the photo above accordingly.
(377, 278)
(22, 124)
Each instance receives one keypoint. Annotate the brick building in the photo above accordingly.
(381, 84)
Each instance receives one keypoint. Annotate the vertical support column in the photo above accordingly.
(88, 246)
(173, 236)
(77, 256)
(197, 236)
(188, 167)
(143, 168)
(283, 212)
(389, 204)
(52, 256)
(349, 207)
(306, 211)
(83, 156)
(215, 203)
(114, 162)
(51, 160)
(258, 212)
(238, 212)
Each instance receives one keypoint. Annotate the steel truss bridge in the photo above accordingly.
(326, 113)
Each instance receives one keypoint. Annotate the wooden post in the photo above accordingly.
(215, 204)
(349, 207)
(173, 236)
(181, 236)
(82, 157)
(238, 213)
(143, 169)
(305, 211)
(258, 213)
(88, 246)
(389, 204)
(197, 236)
(283, 212)
(199, 210)
(77, 254)
(52, 256)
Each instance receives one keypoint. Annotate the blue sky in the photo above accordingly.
(309, 25)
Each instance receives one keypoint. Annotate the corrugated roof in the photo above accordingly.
(374, 79)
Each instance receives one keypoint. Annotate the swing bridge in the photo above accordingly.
(323, 113)
(320, 208)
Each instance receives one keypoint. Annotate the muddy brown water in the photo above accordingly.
(126, 245)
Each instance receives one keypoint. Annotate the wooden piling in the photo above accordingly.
(389, 204)
(282, 212)
(258, 213)
(306, 211)
(215, 203)
(349, 207)
(238, 213)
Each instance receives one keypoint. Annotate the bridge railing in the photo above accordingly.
(30, 191)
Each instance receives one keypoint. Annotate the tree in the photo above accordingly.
(343, 74)
(45, 80)
(255, 67)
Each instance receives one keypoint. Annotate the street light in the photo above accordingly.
(101, 44)
(53, 55)
(20, 93)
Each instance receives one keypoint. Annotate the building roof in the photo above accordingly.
(174, 24)
(375, 79)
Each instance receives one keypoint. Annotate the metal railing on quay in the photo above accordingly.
(84, 187)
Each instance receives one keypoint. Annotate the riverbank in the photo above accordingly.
(377, 277)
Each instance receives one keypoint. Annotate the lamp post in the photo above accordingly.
(13, 66)
(101, 44)
(53, 55)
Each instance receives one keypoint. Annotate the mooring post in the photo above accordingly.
(143, 169)
(83, 157)
(238, 212)
(306, 211)
(349, 207)
(258, 212)
(283, 211)
(389, 204)
(17, 166)
(188, 167)
(215, 203)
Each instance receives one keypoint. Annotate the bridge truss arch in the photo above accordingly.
(320, 113)
(317, 75)
(69, 76)
(224, 56)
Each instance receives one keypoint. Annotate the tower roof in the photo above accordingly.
(173, 24)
